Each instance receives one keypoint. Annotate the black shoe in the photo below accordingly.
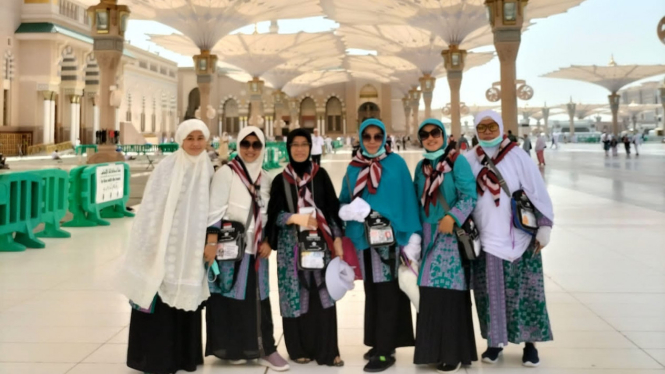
(369, 354)
(491, 355)
(379, 363)
(530, 356)
(445, 368)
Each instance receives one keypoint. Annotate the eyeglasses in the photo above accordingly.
(491, 127)
(300, 145)
(435, 133)
(377, 137)
(256, 145)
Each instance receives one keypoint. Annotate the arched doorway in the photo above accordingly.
(368, 110)
(193, 103)
(231, 117)
(334, 115)
(308, 113)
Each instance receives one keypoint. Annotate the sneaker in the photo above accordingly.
(242, 361)
(530, 356)
(445, 368)
(275, 362)
(369, 354)
(491, 355)
(378, 364)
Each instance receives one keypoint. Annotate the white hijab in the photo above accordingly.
(165, 251)
(495, 223)
(254, 168)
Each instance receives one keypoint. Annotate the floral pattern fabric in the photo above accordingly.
(442, 264)
(224, 282)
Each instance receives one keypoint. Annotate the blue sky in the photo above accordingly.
(585, 35)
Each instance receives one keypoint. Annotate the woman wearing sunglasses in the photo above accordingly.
(309, 316)
(239, 319)
(508, 276)
(444, 333)
(379, 182)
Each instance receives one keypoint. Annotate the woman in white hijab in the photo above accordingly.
(508, 276)
(164, 273)
(238, 315)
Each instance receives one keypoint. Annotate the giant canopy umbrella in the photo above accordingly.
(612, 77)
(205, 22)
(634, 109)
(579, 110)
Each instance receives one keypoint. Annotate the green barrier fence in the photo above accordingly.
(55, 189)
(233, 146)
(168, 147)
(97, 192)
(337, 144)
(83, 148)
(20, 211)
(139, 148)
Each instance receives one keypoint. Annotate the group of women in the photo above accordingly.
(172, 271)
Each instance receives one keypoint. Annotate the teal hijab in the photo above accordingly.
(460, 182)
(394, 199)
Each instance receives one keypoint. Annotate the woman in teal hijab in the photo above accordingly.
(379, 181)
(445, 324)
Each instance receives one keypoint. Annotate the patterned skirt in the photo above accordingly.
(510, 299)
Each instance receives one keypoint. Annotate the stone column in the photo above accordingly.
(615, 100)
(294, 106)
(661, 91)
(344, 124)
(546, 117)
(415, 108)
(47, 118)
(281, 102)
(571, 113)
(454, 60)
(74, 118)
(506, 18)
(427, 83)
(109, 23)
(205, 65)
(406, 104)
(256, 98)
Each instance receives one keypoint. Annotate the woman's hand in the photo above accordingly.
(339, 248)
(209, 253)
(446, 225)
(303, 220)
(264, 250)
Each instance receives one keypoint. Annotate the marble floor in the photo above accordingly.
(605, 282)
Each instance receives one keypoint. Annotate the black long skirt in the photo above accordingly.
(314, 334)
(444, 333)
(388, 322)
(232, 324)
(165, 341)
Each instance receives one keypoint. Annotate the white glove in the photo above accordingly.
(412, 250)
(356, 211)
(543, 235)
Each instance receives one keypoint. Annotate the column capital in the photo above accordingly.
(427, 83)
(48, 95)
(205, 64)
(454, 58)
(506, 14)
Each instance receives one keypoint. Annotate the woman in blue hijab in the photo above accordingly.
(377, 188)
(445, 321)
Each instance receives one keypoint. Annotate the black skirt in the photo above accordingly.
(232, 324)
(165, 341)
(314, 334)
(444, 333)
(388, 321)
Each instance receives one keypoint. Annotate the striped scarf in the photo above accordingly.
(487, 179)
(434, 178)
(305, 198)
(370, 172)
(254, 190)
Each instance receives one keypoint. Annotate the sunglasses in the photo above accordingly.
(435, 133)
(377, 137)
(491, 127)
(256, 145)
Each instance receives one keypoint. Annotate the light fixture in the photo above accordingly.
(124, 17)
(203, 64)
(510, 12)
(102, 21)
(455, 58)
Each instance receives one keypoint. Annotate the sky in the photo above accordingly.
(586, 35)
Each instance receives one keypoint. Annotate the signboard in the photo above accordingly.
(110, 183)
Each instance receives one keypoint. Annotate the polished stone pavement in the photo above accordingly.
(605, 283)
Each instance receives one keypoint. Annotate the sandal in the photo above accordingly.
(303, 360)
(338, 362)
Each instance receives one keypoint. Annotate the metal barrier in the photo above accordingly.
(97, 192)
(139, 148)
(37, 148)
(83, 148)
(55, 187)
(65, 146)
(337, 144)
(168, 147)
(20, 211)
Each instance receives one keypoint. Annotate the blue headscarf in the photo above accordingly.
(367, 123)
(460, 184)
(434, 156)
(394, 199)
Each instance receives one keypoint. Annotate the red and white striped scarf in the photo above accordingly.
(434, 178)
(305, 198)
(254, 190)
(487, 179)
(370, 172)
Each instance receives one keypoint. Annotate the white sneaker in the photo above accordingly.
(242, 361)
